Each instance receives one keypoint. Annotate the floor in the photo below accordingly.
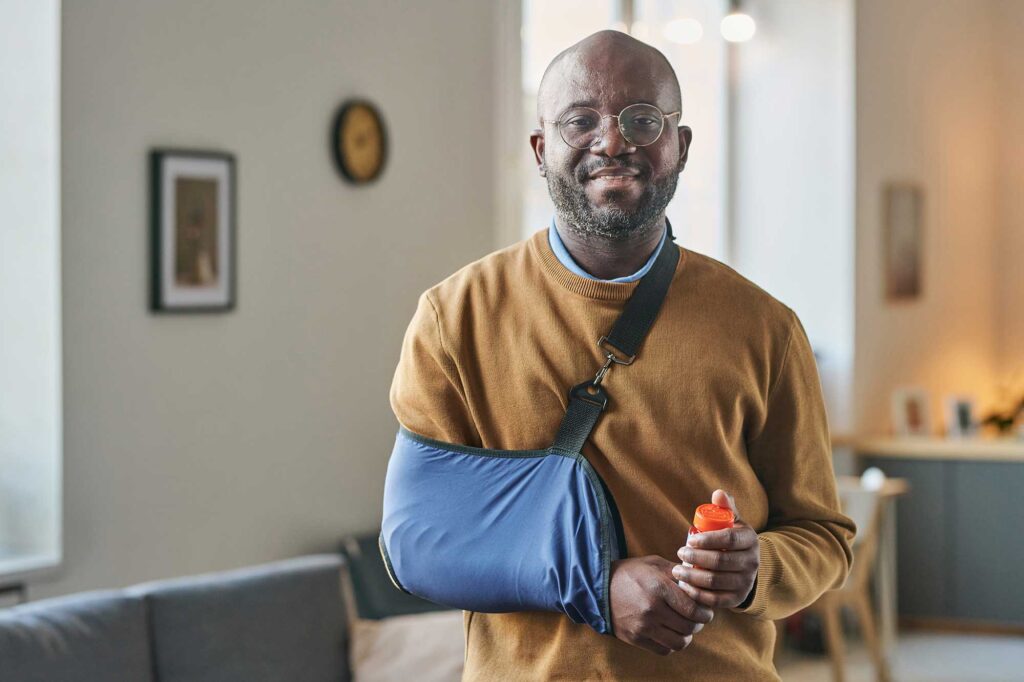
(921, 657)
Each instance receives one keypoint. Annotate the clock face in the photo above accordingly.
(359, 142)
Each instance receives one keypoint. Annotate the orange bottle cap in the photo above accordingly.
(712, 517)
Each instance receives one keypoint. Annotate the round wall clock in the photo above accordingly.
(359, 142)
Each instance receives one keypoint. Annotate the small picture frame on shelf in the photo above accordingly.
(192, 216)
(960, 418)
(911, 412)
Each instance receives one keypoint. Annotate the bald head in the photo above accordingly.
(610, 189)
(604, 64)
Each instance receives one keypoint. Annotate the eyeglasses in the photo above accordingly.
(640, 125)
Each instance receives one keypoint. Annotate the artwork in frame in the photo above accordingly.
(911, 412)
(959, 412)
(904, 208)
(193, 232)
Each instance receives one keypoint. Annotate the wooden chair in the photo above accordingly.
(865, 508)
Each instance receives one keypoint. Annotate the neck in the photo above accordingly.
(607, 259)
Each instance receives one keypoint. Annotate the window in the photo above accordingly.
(30, 344)
(698, 210)
(769, 187)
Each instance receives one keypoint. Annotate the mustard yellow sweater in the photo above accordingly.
(723, 394)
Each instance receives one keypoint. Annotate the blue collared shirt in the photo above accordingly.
(563, 255)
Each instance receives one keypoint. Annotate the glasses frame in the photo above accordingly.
(618, 124)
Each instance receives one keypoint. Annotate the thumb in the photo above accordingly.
(724, 499)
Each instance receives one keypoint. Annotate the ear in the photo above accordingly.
(537, 144)
(685, 138)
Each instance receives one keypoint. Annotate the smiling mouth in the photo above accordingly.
(614, 175)
(617, 179)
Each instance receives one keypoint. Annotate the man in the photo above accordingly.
(722, 404)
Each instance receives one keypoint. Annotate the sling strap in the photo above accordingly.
(589, 399)
(544, 527)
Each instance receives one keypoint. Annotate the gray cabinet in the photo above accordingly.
(987, 540)
(960, 538)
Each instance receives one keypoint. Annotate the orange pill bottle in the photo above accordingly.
(709, 517)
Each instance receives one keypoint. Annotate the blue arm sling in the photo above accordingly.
(496, 531)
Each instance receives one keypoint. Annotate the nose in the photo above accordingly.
(611, 143)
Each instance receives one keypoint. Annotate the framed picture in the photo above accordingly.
(960, 416)
(903, 206)
(193, 230)
(911, 412)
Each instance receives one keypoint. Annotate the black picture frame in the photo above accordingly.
(209, 284)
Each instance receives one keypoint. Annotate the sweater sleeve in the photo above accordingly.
(805, 546)
(427, 394)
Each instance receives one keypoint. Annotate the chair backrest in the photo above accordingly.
(864, 507)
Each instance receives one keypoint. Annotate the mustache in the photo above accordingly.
(584, 172)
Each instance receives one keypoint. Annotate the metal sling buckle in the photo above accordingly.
(604, 344)
(609, 359)
(604, 370)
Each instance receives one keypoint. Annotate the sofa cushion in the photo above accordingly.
(426, 647)
(375, 595)
(277, 621)
(80, 638)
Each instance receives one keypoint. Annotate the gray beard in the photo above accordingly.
(609, 224)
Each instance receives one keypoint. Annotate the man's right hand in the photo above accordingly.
(649, 610)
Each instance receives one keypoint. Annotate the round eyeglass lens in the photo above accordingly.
(580, 127)
(641, 124)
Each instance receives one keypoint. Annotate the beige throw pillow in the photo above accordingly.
(425, 647)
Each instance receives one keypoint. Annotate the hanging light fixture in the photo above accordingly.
(685, 31)
(737, 26)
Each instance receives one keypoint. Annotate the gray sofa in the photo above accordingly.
(280, 621)
(283, 621)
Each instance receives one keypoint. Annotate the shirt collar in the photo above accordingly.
(558, 247)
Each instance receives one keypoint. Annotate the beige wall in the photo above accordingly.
(202, 442)
(1010, 134)
(927, 112)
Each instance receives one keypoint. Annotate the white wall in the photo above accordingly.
(793, 166)
(927, 112)
(204, 442)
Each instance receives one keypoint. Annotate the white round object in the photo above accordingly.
(873, 478)
(738, 27)
(684, 31)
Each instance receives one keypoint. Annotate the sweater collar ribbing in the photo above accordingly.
(591, 288)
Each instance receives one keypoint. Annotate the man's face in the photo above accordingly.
(614, 188)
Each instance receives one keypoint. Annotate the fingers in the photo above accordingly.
(712, 580)
(651, 645)
(716, 560)
(715, 598)
(686, 607)
(732, 539)
(679, 624)
(724, 499)
(664, 642)
(670, 639)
